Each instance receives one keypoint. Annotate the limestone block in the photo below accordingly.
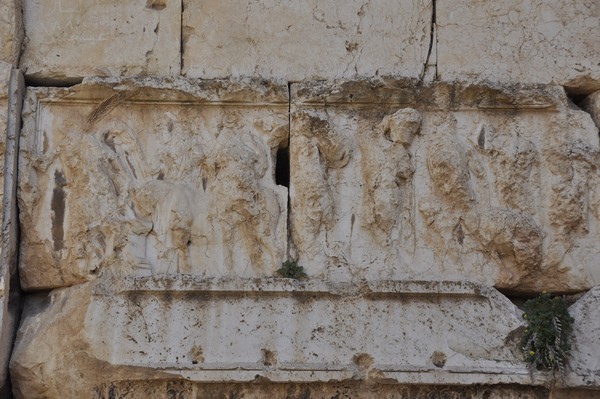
(584, 362)
(308, 39)
(77, 38)
(392, 180)
(146, 177)
(86, 338)
(537, 41)
(11, 31)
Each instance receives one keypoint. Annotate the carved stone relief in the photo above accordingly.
(140, 187)
(445, 182)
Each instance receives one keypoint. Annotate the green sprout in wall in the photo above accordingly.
(547, 338)
(291, 269)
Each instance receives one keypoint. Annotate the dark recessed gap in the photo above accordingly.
(37, 81)
(181, 41)
(518, 298)
(282, 167)
(576, 97)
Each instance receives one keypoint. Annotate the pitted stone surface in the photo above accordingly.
(302, 40)
(140, 180)
(233, 330)
(72, 39)
(537, 41)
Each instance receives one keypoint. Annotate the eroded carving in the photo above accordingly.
(387, 169)
(182, 189)
(318, 148)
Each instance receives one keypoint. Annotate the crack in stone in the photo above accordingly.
(432, 37)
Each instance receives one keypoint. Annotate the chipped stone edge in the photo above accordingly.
(439, 95)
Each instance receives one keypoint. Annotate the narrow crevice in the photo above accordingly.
(518, 298)
(289, 170)
(436, 33)
(432, 38)
(282, 168)
(181, 44)
(37, 81)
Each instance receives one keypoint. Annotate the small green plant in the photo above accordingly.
(291, 269)
(546, 342)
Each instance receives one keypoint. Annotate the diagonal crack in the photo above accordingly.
(432, 38)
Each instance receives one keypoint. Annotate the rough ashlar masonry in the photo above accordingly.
(430, 164)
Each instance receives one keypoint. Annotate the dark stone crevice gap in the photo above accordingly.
(39, 81)
(181, 38)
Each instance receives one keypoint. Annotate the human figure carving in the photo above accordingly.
(386, 168)
(170, 207)
(318, 148)
(246, 209)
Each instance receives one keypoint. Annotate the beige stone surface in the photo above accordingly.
(591, 104)
(11, 31)
(584, 361)
(147, 329)
(308, 39)
(71, 39)
(495, 185)
(145, 177)
(519, 41)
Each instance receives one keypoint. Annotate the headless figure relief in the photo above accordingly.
(170, 208)
(317, 148)
(245, 209)
(386, 168)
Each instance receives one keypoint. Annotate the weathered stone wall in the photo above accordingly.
(425, 161)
